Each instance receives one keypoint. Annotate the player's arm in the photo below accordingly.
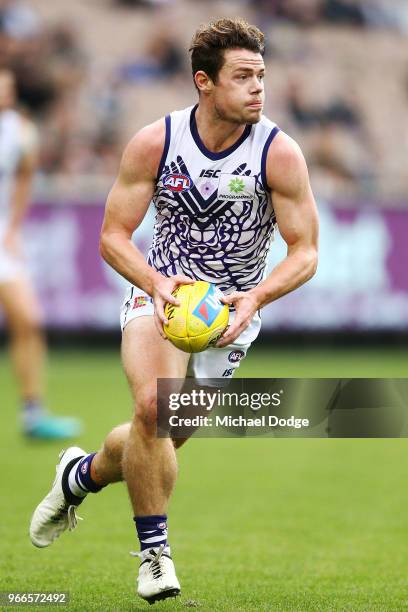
(22, 189)
(297, 220)
(126, 208)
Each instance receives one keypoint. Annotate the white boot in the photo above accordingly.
(157, 576)
(55, 514)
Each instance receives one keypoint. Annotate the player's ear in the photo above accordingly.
(203, 82)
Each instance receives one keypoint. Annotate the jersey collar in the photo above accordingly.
(203, 148)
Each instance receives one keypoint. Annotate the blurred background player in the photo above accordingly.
(18, 153)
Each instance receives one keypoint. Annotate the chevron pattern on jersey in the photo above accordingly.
(214, 240)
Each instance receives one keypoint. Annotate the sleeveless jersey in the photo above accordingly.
(17, 136)
(214, 215)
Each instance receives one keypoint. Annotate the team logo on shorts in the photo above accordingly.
(178, 182)
(209, 307)
(141, 300)
(235, 356)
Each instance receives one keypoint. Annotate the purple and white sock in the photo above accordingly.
(31, 411)
(152, 531)
(80, 482)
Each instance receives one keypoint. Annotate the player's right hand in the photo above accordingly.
(162, 293)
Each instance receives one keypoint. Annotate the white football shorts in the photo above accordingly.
(11, 267)
(213, 363)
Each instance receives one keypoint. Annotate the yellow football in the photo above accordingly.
(200, 319)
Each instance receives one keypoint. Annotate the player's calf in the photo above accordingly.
(107, 463)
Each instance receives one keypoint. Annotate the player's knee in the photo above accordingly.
(25, 325)
(146, 412)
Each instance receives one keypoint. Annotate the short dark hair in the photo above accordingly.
(212, 39)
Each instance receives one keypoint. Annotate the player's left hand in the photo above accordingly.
(246, 306)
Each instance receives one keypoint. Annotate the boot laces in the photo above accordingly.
(155, 560)
(73, 518)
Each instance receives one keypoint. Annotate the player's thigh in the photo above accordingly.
(146, 357)
(20, 304)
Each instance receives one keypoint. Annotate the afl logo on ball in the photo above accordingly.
(177, 182)
(235, 356)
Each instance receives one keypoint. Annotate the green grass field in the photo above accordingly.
(255, 524)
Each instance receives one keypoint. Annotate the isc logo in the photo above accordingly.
(210, 173)
(178, 182)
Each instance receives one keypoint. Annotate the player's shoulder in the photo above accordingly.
(12, 121)
(285, 149)
(282, 146)
(285, 165)
(149, 139)
(23, 131)
(145, 148)
(152, 137)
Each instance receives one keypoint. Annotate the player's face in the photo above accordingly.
(238, 93)
(7, 89)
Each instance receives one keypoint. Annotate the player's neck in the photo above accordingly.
(217, 134)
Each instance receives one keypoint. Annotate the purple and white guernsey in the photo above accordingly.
(17, 137)
(214, 215)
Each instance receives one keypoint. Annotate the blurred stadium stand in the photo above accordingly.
(92, 72)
